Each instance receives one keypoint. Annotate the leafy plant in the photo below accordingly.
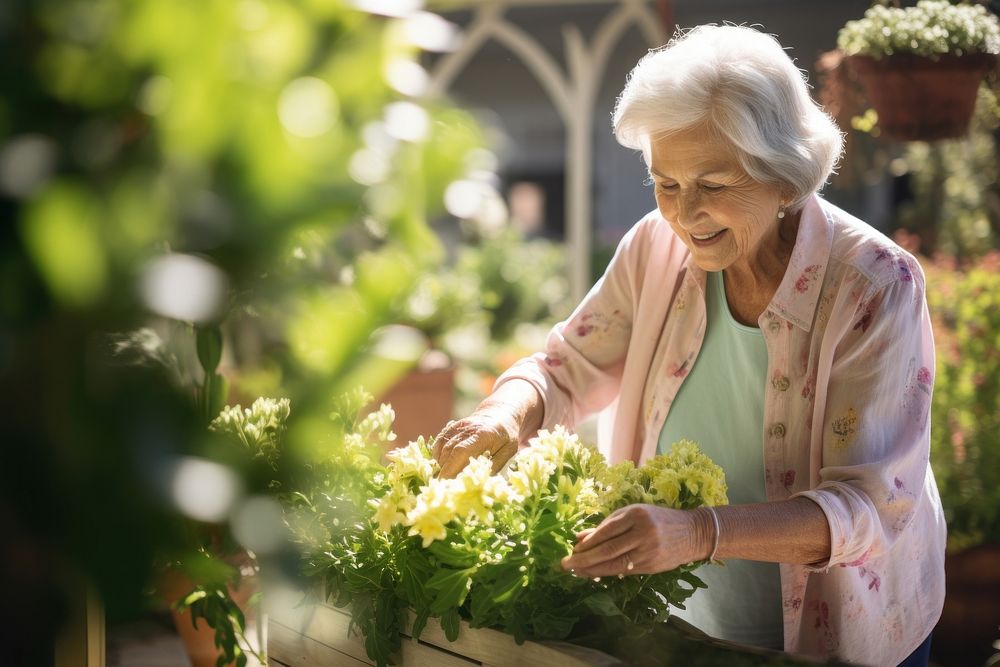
(519, 280)
(955, 204)
(930, 28)
(247, 140)
(486, 547)
(965, 418)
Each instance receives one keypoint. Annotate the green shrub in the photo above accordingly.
(965, 418)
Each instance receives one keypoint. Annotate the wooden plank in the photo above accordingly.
(286, 646)
(82, 641)
(498, 649)
(418, 654)
(327, 625)
(324, 624)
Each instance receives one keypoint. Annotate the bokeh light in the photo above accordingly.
(258, 524)
(369, 167)
(407, 121)
(202, 489)
(406, 77)
(389, 7)
(26, 163)
(308, 107)
(184, 287)
(431, 32)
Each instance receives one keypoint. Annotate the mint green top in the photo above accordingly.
(720, 406)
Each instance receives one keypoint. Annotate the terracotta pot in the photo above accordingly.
(920, 99)
(199, 642)
(970, 621)
(423, 401)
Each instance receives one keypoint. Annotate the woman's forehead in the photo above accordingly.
(693, 150)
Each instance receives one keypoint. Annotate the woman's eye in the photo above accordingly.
(667, 187)
(713, 187)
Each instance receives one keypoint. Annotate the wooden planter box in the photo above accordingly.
(316, 635)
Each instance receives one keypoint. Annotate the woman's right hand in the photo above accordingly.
(492, 431)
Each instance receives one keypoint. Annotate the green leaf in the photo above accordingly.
(452, 586)
(485, 612)
(193, 597)
(552, 625)
(452, 555)
(450, 624)
(420, 622)
(216, 389)
(414, 570)
(603, 604)
(510, 579)
(209, 343)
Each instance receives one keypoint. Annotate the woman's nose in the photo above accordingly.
(687, 206)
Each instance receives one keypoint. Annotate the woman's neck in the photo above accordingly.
(752, 282)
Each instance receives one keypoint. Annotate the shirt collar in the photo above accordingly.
(800, 289)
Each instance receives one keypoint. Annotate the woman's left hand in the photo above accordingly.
(641, 539)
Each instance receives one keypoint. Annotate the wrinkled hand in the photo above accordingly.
(639, 539)
(488, 432)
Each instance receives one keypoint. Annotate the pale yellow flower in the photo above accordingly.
(428, 523)
(412, 461)
(472, 490)
(685, 478)
(387, 513)
(586, 498)
(520, 484)
(433, 510)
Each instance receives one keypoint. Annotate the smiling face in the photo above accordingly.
(725, 217)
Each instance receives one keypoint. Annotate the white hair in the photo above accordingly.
(741, 82)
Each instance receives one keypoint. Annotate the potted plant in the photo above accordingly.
(921, 66)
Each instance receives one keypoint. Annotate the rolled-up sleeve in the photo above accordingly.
(876, 421)
(580, 370)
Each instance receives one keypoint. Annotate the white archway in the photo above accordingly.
(572, 92)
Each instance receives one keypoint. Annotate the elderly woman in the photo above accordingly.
(789, 339)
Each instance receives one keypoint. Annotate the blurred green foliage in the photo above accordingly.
(227, 130)
(965, 418)
(517, 280)
(956, 187)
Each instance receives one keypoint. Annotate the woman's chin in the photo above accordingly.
(708, 263)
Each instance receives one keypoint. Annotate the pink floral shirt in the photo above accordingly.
(846, 412)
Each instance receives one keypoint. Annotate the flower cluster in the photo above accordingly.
(425, 504)
(931, 28)
(557, 468)
(485, 546)
(258, 428)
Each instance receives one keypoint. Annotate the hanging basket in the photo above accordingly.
(920, 99)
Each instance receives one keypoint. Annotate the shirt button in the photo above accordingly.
(780, 383)
(774, 325)
(778, 430)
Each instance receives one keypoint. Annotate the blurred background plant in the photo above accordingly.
(952, 198)
(520, 289)
(257, 171)
(950, 214)
(965, 304)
